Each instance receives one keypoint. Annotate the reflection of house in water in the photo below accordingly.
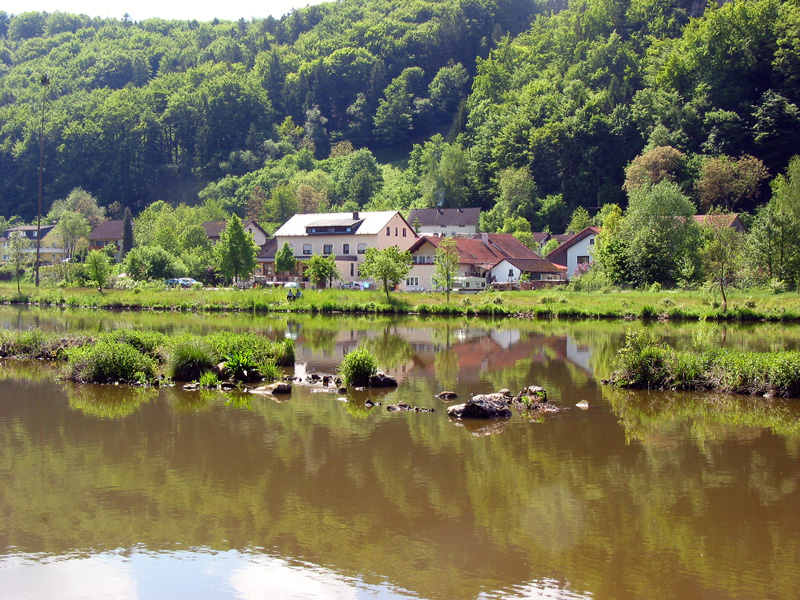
(473, 350)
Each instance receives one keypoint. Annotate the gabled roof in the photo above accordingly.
(485, 249)
(371, 222)
(28, 230)
(214, 229)
(591, 230)
(534, 265)
(450, 217)
(725, 220)
(108, 230)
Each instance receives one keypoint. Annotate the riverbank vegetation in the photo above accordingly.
(132, 356)
(644, 363)
(556, 303)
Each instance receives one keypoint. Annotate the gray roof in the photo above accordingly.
(372, 222)
(450, 217)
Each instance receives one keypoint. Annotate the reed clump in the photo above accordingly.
(645, 363)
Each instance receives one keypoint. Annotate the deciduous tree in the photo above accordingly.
(389, 266)
(445, 265)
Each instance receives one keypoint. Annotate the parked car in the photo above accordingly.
(174, 282)
(188, 282)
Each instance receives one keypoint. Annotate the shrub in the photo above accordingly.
(357, 367)
(146, 342)
(108, 361)
(241, 366)
(189, 358)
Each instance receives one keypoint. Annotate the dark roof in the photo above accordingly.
(215, 228)
(28, 230)
(541, 236)
(451, 217)
(108, 230)
(560, 252)
(269, 249)
(534, 265)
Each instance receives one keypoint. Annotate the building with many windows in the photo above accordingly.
(345, 236)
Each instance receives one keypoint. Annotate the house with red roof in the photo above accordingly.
(486, 255)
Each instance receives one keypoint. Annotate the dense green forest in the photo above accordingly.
(527, 108)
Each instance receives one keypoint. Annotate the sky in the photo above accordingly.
(229, 10)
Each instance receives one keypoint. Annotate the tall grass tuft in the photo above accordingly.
(188, 359)
(357, 367)
(108, 361)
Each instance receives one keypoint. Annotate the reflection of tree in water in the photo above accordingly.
(322, 340)
(391, 350)
(109, 402)
(447, 368)
(647, 415)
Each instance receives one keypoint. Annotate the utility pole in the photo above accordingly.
(45, 82)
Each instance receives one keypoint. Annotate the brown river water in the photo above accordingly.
(117, 493)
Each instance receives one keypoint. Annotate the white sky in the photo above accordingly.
(229, 10)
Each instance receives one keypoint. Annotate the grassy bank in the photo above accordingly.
(559, 303)
(131, 356)
(643, 363)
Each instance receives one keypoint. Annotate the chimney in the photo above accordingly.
(485, 239)
(355, 215)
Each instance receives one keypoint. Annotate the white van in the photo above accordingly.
(469, 285)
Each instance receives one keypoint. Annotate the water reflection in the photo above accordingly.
(169, 493)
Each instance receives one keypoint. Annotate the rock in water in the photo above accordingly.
(381, 380)
(482, 406)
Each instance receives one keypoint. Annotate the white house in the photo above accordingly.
(537, 269)
(575, 251)
(479, 256)
(346, 236)
(444, 221)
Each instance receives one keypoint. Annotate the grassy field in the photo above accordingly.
(560, 303)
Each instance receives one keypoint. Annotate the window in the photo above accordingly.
(444, 226)
(327, 249)
(352, 269)
(511, 273)
(362, 248)
(388, 231)
(583, 260)
(591, 241)
(345, 248)
(404, 232)
(412, 281)
(306, 248)
(395, 232)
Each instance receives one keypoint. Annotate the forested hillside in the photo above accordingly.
(527, 108)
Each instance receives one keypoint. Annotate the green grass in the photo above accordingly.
(643, 363)
(558, 303)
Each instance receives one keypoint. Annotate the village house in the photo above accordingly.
(213, 230)
(485, 255)
(577, 250)
(345, 236)
(107, 233)
(50, 250)
(444, 221)
(728, 220)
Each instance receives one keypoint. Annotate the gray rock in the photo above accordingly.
(447, 395)
(482, 406)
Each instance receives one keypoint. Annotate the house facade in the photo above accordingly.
(50, 248)
(444, 221)
(345, 236)
(577, 250)
(510, 270)
(107, 233)
(480, 255)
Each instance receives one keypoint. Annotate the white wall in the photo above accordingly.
(583, 248)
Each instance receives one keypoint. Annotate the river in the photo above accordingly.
(113, 492)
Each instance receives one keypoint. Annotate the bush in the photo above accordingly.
(188, 359)
(108, 361)
(146, 342)
(357, 367)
